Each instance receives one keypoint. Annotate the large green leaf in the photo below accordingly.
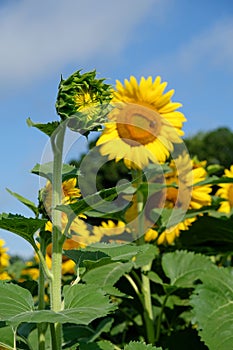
(48, 128)
(22, 226)
(82, 304)
(25, 201)
(14, 300)
(208, 235)
(133, 345)
(184, 268)
(46, 170)
(213, 308)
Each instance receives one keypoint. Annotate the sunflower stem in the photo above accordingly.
(41, 327)
(145, 285)
(57, 142)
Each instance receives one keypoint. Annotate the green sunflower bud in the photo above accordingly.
(83, 100)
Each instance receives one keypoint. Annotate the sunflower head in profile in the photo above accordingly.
(226, 192)
(143, 125)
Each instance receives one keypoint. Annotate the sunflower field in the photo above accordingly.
(132, 243)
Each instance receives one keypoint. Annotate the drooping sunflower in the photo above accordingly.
(143, 125)
(226, 192)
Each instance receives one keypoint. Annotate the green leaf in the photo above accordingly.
(6, 338)
(81, 256)
(154, 277)
(214, 180)
(14, 300)
(25, 201)
(213, 308)
(107, 275)
(85, 303)
(118, 252)
(133, 345)
(82, 304)
(46, 170)
(76, 333)
(103, 327)
(100, 200)
(23, 227)
(184, 268)
(106, 345)
(48, 128)
(145, 256)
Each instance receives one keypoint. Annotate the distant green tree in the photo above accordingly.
(215, 146)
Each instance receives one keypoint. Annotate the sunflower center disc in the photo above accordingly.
(138, 125)
(230, 195)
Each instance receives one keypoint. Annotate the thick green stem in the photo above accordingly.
(41, 304)
(148, 311)
(55, 286)
(145, 285)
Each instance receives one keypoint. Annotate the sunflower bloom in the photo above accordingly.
(70, 193)
(109, 228)
(143, 125)
(226, 192)
(199, 197)
(4, 261)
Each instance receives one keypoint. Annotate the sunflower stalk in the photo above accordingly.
(145, 285)
(57, 142)
(41, 327)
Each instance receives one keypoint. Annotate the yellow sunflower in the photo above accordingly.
(226, 192)
(70, 193)
(109, 228)
(4, 261)
(186, 180)
(143, 125)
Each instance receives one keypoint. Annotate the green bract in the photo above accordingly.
(82, 98)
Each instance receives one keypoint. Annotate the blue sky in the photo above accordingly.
(189, 43)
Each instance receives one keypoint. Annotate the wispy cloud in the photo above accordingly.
(211, 49)
(37, 37)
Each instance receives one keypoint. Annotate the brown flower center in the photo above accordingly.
(138, 125)
(230, 195)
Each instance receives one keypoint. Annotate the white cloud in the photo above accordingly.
(208, 50)
(37, 37)
(213, 47)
